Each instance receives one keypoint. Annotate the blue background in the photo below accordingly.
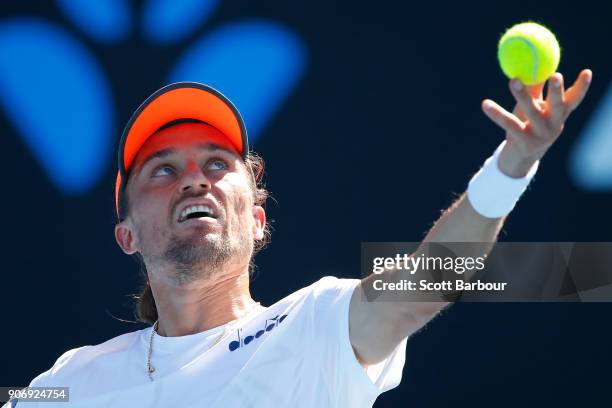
(372, 127)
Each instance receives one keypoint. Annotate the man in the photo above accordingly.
(190, 207)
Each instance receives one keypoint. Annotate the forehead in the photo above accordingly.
(183, 136)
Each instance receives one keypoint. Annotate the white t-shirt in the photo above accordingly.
(295, 353)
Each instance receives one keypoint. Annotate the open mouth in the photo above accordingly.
(196, 212)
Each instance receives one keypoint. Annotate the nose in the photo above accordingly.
(194, 179)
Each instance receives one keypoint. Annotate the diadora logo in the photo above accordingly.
(241, 342)
(60, 99)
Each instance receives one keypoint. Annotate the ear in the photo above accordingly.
(259, 224)
(125, 237)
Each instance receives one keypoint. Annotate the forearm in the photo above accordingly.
(461, 223)
(470, 227)
(479, 214)
(462, 230)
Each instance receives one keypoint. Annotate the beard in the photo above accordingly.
(201, 256)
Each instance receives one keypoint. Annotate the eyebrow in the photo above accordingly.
(157, 155)
(170, 150)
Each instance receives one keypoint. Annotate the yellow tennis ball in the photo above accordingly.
(529, 52)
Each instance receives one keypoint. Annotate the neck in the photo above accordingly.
(201, 305)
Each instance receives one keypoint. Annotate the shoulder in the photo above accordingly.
(332, 292)
(331, 285)
(326, 289)
(329, 297)
(72, 361)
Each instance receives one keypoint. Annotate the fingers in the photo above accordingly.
(536, 91)
(575, 94)
(504, 119)
(555, 106)
(534, 117)
(528, 105)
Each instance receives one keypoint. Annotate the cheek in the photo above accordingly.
(241, 209)
(151, 218)
(152, 236)
(152, 205)
(241, 205)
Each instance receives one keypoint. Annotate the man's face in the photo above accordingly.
(190, 203)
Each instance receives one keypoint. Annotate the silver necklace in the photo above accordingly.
(226, 330)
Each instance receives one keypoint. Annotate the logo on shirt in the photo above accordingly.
(241, 342)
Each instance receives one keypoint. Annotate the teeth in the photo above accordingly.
(195, 208)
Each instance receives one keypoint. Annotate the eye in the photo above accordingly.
(163, 171)
(217, 164)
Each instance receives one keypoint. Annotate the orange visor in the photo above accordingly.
(181, 100)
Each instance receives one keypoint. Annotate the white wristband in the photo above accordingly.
(494, 194)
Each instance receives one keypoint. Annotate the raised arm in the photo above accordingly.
(376, 328)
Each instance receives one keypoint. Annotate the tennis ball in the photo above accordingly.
(529, 52)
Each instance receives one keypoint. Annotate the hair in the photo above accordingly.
(145, 308)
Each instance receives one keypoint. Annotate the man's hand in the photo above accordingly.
(535, 123)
